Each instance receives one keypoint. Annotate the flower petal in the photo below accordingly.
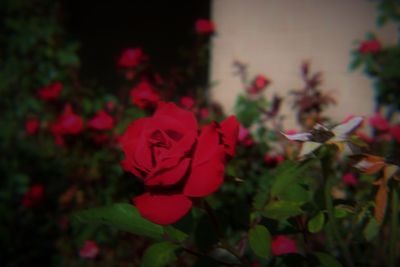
(183, 117)
(343, 130)
(308, 147)
(169, 176)
(162, 209)
(134, 145)
(207, 172)
(298, 136)
(230, 130)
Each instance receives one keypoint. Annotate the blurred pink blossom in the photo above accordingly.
(378, 122)
(90, 250)
(283, 245)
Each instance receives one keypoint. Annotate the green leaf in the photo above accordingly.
(123, 216)
(281, 210)
(326, 260)
(175, 233)
(342, 211)
(159, 255)
(260, 241)
(263, 187)
(371, 230)
(287, 174)
(316, 223)
(296, 193)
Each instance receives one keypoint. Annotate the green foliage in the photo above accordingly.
(281, 210)
(159, 255)
(123, 216)
(260, 241)
(326, 260)
(316, 223)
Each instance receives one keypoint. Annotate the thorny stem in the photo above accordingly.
(326, 172)
(393, 227)
(217, 229)
(199, 254)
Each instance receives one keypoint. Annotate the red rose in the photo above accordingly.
(283, 245)
(175, 161)
(187, 102)
(204, 26)
(144, 96)
(369, 46)
(67, 123)
(31, 126)
(90, 250)
(70, 122)
(378, 122)
(102, 121)
(50, 92)
(131, 57)
(259, 83)
(349, 179)
(33, 196)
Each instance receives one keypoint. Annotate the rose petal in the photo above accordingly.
(207, 172)
(230, 130)
(162, 209)
(184, 117)
(169, 176)
(134, 144)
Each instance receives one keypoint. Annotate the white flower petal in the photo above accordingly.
(343, 130)
(298, 137)
(308, 147)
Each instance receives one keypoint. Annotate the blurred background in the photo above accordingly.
(74, 74)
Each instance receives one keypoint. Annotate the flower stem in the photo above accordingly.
(393, 225)
(224, 244)
(327, 175)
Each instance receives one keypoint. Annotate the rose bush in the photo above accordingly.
(175, 162)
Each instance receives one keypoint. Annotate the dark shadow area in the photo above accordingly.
(104, 29)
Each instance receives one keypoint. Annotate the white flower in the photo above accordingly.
(319, 135)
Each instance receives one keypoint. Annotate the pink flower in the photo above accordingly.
(32, 126)
(259, 83)
(395, 132)
(349, 179)
(187, 102)
(102, 121)
(245, 136)
(70, 122)
(204, 26)
(33, 196)
(51, 91)
(67, 123)
(131, 57)
(90, 250)
(243, 133)
(144, 96)
(369, 46)
(283, 245)
(378, 122)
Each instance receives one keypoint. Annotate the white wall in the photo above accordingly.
(274, 36)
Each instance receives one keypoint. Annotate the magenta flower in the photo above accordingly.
(90, 250)
(283, 245)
